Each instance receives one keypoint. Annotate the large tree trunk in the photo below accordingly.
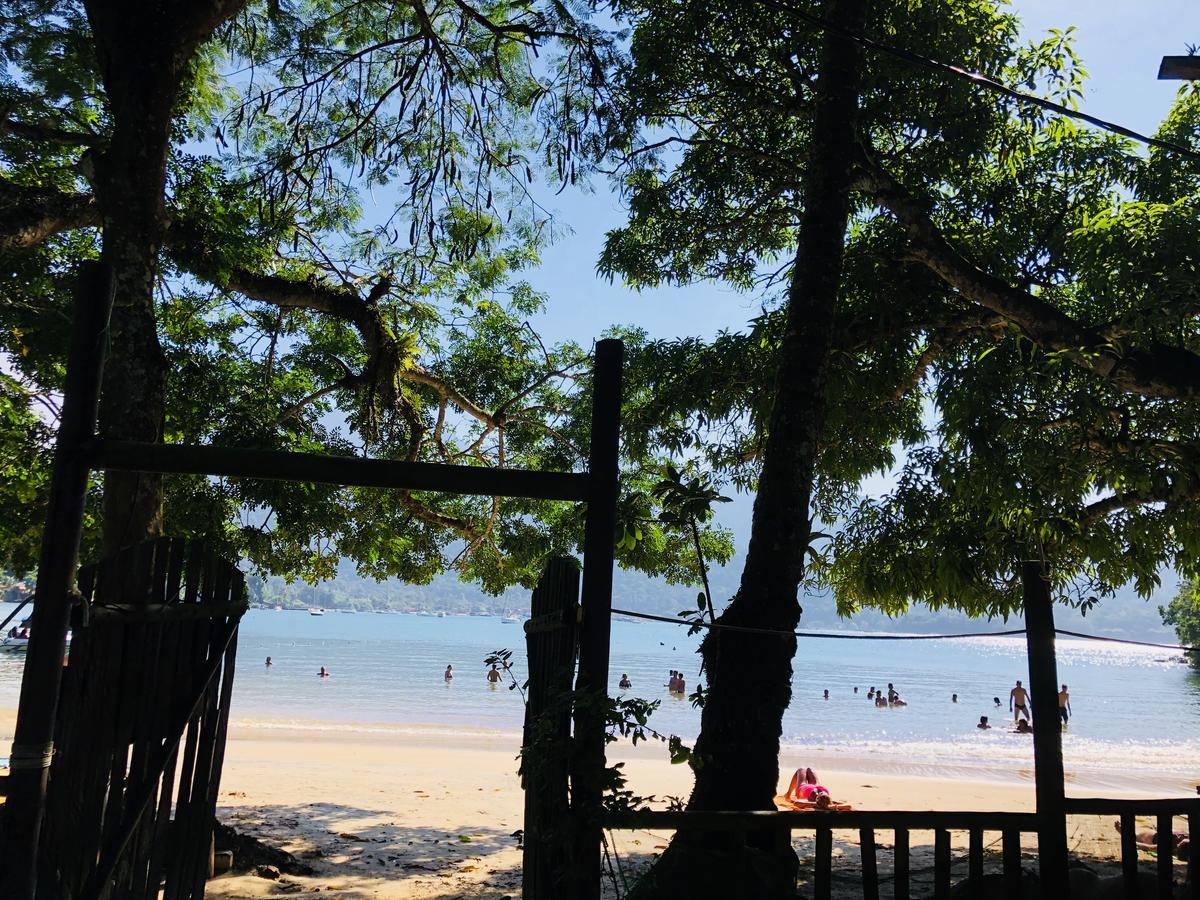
(1047, 728)
(144, 48)
(750, 675)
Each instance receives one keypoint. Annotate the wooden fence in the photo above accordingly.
(141, 726)
(900, 824)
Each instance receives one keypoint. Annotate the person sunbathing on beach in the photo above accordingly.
(804, 789)
(1148, 840)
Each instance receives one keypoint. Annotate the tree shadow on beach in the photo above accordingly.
(355, 852)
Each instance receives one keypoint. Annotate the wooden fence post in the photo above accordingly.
(550, 638)
(599, 548)
(1047, 730)
(33, 742)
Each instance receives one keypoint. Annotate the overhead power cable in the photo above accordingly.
(848, 636)
(982, 80)
(851, 636)
(1116, 640)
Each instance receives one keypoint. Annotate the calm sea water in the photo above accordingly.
(1134, 710)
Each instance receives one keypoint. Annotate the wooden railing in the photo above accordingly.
(1164, 813)
(1009, 825)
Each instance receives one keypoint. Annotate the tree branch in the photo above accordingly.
(30, 215)
(47, 134)
(1158, 371)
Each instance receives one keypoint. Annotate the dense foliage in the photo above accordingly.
(1183, 614)
(1017, 327)
(352, 195)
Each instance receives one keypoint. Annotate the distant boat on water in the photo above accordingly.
(316, 611)
(511, 619)
(13, 644)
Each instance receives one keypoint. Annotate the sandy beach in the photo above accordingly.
(429, 814)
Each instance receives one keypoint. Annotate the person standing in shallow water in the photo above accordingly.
(449, 676)
(1018, 702)
(493, 674)
(1064, 704)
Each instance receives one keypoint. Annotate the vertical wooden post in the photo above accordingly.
(1166, 856)
(1011, 843)
(550, 638)
(599, 548)
(33, 742)
(901, 865)
(975, 861)
(1129, 855)
(1047, 729)
(941, 864)
(823, 864)
(870, 867)
(1193, 861)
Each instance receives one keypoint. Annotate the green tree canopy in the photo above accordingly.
(1183, 614)
(350, 197)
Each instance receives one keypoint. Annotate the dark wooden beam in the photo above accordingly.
(278, 465)
(1104, 806)
(599, 549)
(750, 820)
(33, 741)
(1179, 68)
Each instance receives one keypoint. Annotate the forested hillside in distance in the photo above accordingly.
(1125, 615)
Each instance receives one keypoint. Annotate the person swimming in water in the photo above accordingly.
(625, 684)
(983, 723)
(323, 673)
(880, 700)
